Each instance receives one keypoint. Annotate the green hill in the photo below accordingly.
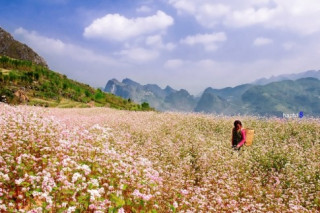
(23, 82)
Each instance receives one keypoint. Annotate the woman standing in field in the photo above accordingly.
(238, 135)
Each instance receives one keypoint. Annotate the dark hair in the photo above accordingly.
(236, 122)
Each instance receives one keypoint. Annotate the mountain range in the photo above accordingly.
(283, 94)
(296, 76)
(167, 99)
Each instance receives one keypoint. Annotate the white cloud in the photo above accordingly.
(211, 14)
(184, 6)
(302, 17)
(173, 64)
(50, 46)
(75, 61)
(250, 17)
(289, 45)
(144, 9)
(120, 28)
(138, 55)
(209, 41)
(155, 41)
(197, 75)
(261, 41)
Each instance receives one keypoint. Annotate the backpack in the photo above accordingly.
(249, 136)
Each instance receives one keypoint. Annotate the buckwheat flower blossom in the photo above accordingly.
(92, 207)
(121, 210)
(175, 204)
(94, 182)
(36, 210)
(101, 190)
(145, 197)
(184, 192)
(19, 160)
(94, 194)
(3, 207)
(19, 181)
(85, 168)
(48, 183)
(71, 209)
(76, 176)
(6, 177)
(47, 197)
(106, 202)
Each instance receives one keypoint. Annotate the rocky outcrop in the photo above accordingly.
(21, 95)
(15, 49)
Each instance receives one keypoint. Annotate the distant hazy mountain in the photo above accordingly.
(227, 100)
(180, 101)
(230, 93)
(287, 96)
(17, 50)
(210, 102)
(307, 74)
(166, 99)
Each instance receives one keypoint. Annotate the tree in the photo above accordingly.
(99, 95)
(145, 105)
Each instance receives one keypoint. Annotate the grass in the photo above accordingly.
(4, 71)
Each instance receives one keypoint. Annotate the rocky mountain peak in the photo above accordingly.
(15, 49)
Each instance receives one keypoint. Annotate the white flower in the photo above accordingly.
(85, 168)
(3, 207)
(175, 204)
(19, 181)
(94, 194)
(121, 210)
(71, 209)
(94, 182)
(184, 192)
(6, 177)
(75, 177)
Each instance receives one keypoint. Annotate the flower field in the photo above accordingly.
(105, 160)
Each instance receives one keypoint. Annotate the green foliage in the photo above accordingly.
(145, 105)
(99, 96)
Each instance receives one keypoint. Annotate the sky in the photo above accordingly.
(187, 44)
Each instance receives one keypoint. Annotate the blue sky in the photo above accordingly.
(190, 44)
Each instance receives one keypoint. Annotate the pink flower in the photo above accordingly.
(3, 207)
(175, 204)
(146, 197)
(75, 177)
(184, 192)
(19, 181)
(92, 206)
(121, 210)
